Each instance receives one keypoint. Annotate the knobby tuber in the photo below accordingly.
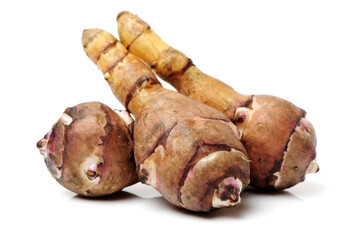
(89, 150)
(279, 139)
(186, 150)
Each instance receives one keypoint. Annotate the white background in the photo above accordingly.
(308, 52)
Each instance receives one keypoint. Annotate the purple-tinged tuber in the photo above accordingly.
(89, 150)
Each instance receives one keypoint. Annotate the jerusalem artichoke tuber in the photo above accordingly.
(279, 139)
(186, 150)
(89, 150)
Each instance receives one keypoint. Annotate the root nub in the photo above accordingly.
(227, 193)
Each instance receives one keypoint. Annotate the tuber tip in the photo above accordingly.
(313, 167)
(88, 35)
(42, 143)
(121, 13)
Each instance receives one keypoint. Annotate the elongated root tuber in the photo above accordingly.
(89, 150)
(186, 150)
(279, 139)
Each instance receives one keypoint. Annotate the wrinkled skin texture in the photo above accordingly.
(173, 134)
(89, 150)
(268, 124)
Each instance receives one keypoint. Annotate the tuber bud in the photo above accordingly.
(89, 150)
(280, 141)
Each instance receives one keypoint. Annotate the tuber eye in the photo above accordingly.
(240, 119)
(51, 156)
(227, 193)
(91, 172)
(240, 115)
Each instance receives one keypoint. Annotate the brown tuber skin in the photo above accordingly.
(186, 150)
(89, 150)
(279, 139)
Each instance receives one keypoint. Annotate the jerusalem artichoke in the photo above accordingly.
(89, 150)
(186, 150)
(279, 139)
